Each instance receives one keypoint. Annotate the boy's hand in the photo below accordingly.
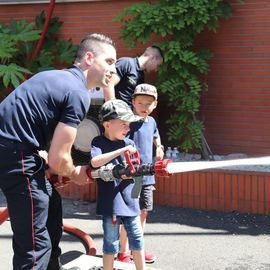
(130, 148)
(159, 153)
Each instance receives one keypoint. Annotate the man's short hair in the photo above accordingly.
(156, 50)
(91, 43)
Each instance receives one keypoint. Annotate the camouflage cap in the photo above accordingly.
(146, 89)
(117, 109)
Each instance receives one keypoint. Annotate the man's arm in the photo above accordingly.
(59, 155)
(109, 92)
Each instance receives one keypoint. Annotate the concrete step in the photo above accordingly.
(86, 262)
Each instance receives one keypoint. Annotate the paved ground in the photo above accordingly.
(183, 239)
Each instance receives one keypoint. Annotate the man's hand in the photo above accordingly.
(109, 92)
(80, 177)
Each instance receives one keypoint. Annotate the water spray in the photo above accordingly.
(189, 166)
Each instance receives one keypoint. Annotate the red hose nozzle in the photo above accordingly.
(160, 168)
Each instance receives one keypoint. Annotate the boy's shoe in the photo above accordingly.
(149, 258)
(124, 257)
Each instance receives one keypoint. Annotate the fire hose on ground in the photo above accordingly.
(68, 228)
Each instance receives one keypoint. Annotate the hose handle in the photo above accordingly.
(131, 161)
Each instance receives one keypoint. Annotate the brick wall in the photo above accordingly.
(236, 109)
(220, 190)
(245, 192)
(80, 18)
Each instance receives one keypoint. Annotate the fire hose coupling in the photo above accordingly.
(104, 172)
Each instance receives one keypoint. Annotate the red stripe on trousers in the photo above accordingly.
(32, 210)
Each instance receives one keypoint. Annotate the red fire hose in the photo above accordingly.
(3, 214)
(86, 239)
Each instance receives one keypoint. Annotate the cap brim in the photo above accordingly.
(131, 118)
(144, 94)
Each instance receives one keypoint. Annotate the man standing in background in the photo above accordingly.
(130, 73)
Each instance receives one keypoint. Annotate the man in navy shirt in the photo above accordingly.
(115, 202)
(130, 73)
(46, 110)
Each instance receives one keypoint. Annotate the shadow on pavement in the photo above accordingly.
(226, 223)
(230, 222)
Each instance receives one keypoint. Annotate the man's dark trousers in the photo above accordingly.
(22, 180)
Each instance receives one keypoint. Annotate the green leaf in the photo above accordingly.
(176, 24)
(7, 47)
(18, 41)
(12, 73)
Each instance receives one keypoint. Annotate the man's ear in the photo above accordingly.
(155, 104)
(89, 58)
(106, 124)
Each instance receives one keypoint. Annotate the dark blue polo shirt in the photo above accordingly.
(143, 134)
(114, 197)
(130, 75)
(32, 111)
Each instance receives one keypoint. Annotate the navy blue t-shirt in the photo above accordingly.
(114, 197)
(130, 75)
(32, 111)
(143, 134)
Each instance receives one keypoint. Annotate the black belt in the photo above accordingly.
(17, 145)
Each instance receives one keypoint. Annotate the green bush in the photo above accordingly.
(176, 24)
(18, 40)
